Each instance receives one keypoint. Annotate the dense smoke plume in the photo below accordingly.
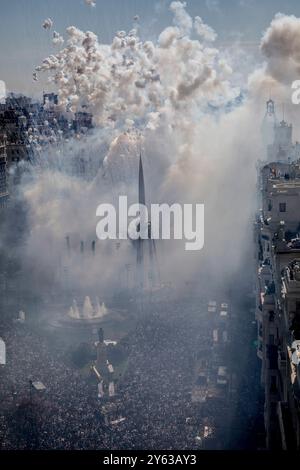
(199, 133)
(280, 51)
(281, 47)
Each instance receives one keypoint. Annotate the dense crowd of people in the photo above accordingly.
(153, 393)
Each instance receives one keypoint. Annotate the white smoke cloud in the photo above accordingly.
(280, 52)
(47, 24)
(57, 40)
(280, 46)
(90, 3)
(203, 30)
(175, 99)
(131, 79)
(181, 18)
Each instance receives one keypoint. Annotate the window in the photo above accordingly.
(282, 207)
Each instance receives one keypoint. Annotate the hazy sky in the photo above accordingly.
(24, 43)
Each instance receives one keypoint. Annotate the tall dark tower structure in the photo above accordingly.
(142, 197)
(140, 246)
(152, 265)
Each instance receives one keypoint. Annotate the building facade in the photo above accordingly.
(33, 128)
(3, 173)
(277, 236)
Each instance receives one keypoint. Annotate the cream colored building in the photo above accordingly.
(277, 232)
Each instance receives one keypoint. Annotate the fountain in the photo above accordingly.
(88, 312)
(80, 321)
(100, 309)
(74, 311)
